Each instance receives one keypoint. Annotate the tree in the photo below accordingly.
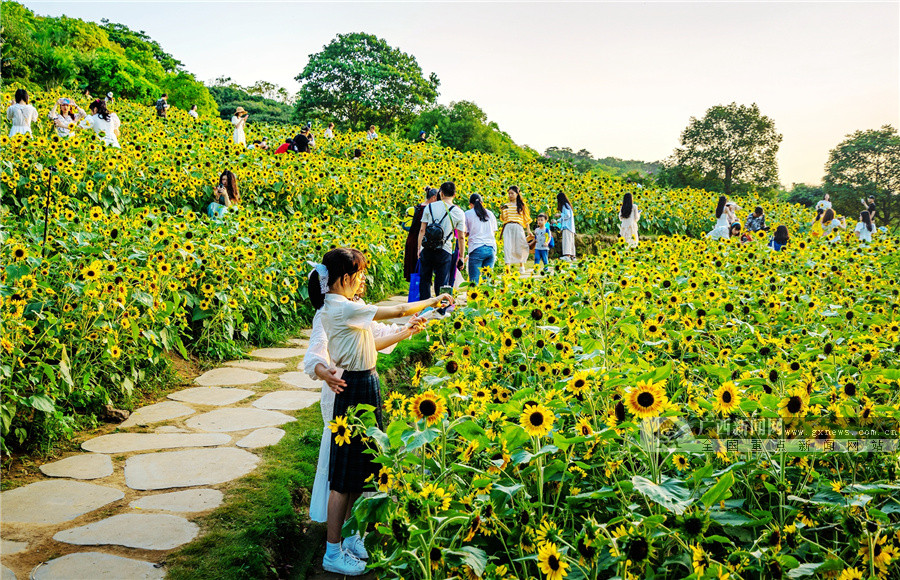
(734, 143)
(359, 80)
(803, 194)
(866, 163)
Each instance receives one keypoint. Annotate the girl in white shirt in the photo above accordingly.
(481, 229)
(21, 114)
(864, 228)
(629, 216)
(102, 121)
(830, 223)
(348, 326)
(721, 214)
(239, 120)
(65, 116)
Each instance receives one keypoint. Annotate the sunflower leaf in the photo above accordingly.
(669, 495)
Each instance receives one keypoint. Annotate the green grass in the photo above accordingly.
(261, 530)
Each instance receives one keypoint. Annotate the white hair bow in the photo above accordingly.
(323, 276)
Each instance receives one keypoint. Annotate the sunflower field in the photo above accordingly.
(690, 409)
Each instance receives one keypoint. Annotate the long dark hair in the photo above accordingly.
(867, 219)
(340, 262)
(627, 204)
(720, 207)
(520, 205)
(562, 201)
(100, 106)
(482, 213)
(827, 216)
(231, 186)
(21, 95)
(781, 235)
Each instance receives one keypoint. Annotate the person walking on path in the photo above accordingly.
(103, 123)
(239, 120)
(347, 323)
(566, 225)
(411, 249)
(22, 114)
(481, 229)
(436, 240)
(543, 240)
(516, 221)
(629, 214)
(65, 116)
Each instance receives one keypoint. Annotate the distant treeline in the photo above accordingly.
(584, 161)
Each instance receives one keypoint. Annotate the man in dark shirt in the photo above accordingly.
(301, 142)
(869, 204)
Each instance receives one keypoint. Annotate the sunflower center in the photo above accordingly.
(794, 404)
(553, 562)
(726, 397)
(645, 399)
(427, 408)
(341, 430)
(435, 554)
(536, 419)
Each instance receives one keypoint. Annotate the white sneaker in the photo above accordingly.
(344, 563)
(356, 546)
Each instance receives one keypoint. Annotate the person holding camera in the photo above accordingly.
(226, 194)
(440, 221)
(239, 120)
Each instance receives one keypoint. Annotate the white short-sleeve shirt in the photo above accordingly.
(864, 234)
(481, 233)
(348, 325)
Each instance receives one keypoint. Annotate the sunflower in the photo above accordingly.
(727, 398)
(342, 431)
(680, 462)
(436, 557)
(551, 562)
(850, 574)
(385, 479)
(794, 404)
(429, 406)
(646, 399)
(578, 384)
(583, 427)
(537, 420)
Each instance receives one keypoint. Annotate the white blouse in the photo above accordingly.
(108, 128)
(22, 116)
(348, 325)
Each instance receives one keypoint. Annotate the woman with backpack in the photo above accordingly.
(440, 221)
(516, 221)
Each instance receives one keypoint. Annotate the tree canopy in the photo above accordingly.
(256, 100)
(866, 163)
(359, 80)
(732, 143)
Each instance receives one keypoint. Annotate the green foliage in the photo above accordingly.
(261, 109)
(636, 171)
(359, 80)
(464, 126)
(127, 38)
(803, 194)
(866, 163)
(734, 143)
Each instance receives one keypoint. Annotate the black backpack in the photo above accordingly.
(434, 234)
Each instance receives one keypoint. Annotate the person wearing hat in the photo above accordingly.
(423, 137)
(65, 116)
(239, 120)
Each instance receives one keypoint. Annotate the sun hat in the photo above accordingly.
(63, 101)
(240, 110)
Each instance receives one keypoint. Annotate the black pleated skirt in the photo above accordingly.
(350, 467)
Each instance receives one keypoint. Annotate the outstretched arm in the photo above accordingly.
(388, 312)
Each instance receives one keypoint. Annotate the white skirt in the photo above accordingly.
(568, 243)
(515, 246)
(318, 503)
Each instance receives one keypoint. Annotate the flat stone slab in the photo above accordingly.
(229, 376)
(6, 573)
(261, 438)
(237, 419)
(211, 395)
(97, 566)
(301, 380)
(287, 400)
(54, 501)
(189, 500)
(84, 466)
(188, 468)
(306, 332)
(277, 353)
(300, 342)
(164, 411)
(256, 365)
(170, 429)
(9, 547)
(144, 531)
(128, 442)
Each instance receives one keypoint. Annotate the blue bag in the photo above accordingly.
(414, 285)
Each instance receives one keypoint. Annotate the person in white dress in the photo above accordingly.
(239, 120)
(629, 216)
(824, 203)
(65, 116)
(566, 217)
(193, 112)
(721, 214)
(103, 123)
(864, 228)
(22, 114)
(329, 132)
(831, 224)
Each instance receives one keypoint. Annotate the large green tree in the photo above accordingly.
(734, 143)
(866, 163)
(358, 80)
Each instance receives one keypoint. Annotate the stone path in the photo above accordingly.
(117, 508)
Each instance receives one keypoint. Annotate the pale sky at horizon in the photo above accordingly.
(618, 79)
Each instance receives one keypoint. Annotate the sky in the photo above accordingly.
(619, 79)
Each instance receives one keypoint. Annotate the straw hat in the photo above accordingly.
(240, 111)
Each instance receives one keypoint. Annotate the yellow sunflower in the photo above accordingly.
(551, 562)
(583, 427)
(646, 399)
(727, 398)
(342, 431)
(429, 406)
(794, 404)
(537, 420)
(385, 479)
